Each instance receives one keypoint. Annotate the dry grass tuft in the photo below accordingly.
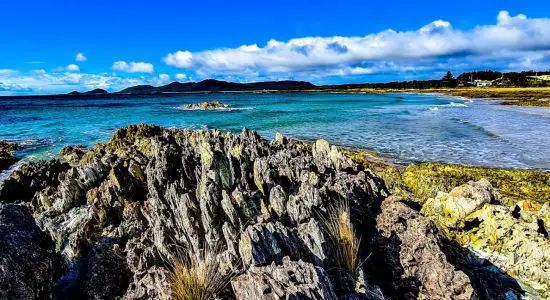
(198, 278)
(344, 242)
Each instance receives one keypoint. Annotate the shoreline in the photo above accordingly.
(517, 96)
(401, 175)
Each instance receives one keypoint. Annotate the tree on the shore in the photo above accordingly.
(448, 76)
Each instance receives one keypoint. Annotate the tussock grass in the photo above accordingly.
(197, 278)
(344, 243)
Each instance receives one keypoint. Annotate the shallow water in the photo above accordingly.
(410, 127)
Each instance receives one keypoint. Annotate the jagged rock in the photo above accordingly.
(6, 154)
(328, 157)
(417, 263)
(290, 280)
(514, 239)
(105, 273)
(262, 244)
(28, 263)
(73, 154)
(24, 182)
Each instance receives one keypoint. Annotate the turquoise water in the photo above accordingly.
(409, 127)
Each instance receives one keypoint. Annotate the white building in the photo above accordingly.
(481, 83)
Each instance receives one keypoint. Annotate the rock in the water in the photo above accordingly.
(28, 263)
(290, 280)
(207, 105)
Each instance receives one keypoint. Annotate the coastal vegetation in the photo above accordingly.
(197, 278)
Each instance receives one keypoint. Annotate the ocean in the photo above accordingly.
(408, 127)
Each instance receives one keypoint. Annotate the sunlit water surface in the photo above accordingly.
(409, 127)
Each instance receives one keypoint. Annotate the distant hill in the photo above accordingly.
(212, 85)
(92, 92)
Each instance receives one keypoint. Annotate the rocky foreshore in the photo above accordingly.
(253, 219)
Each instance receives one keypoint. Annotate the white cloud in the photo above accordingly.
(80, 57)
(181, 76)
(42, 82)
(133, 67)
(180, 59)
(8, 72)
(72, 68)
(437, 41)
(164, 77)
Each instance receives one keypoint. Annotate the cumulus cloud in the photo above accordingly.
(43, 82)
(164, 77)
(80, 57)
(8, 72)
(72, 68)
(133, 67)
(436, 41)
(181, 76)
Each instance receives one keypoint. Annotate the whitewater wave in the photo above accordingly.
(452, 104)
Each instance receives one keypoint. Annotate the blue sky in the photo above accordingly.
(132, 42)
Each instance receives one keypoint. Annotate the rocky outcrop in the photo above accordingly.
(207, 105)
(422, 267)
(6, 154)
(28, 262)
(514, 239)
(120, 214)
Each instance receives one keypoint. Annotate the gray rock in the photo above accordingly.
(290, 280)
(413, 252)
(28, 262)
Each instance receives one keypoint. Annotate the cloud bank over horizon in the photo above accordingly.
(516, 40)
(512, 43)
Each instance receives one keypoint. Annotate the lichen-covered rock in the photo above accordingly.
(514, 239)
(450, 209)
(290, 280)
(29, 265)
(413, 251)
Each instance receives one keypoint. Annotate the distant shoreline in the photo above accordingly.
(517, 96)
